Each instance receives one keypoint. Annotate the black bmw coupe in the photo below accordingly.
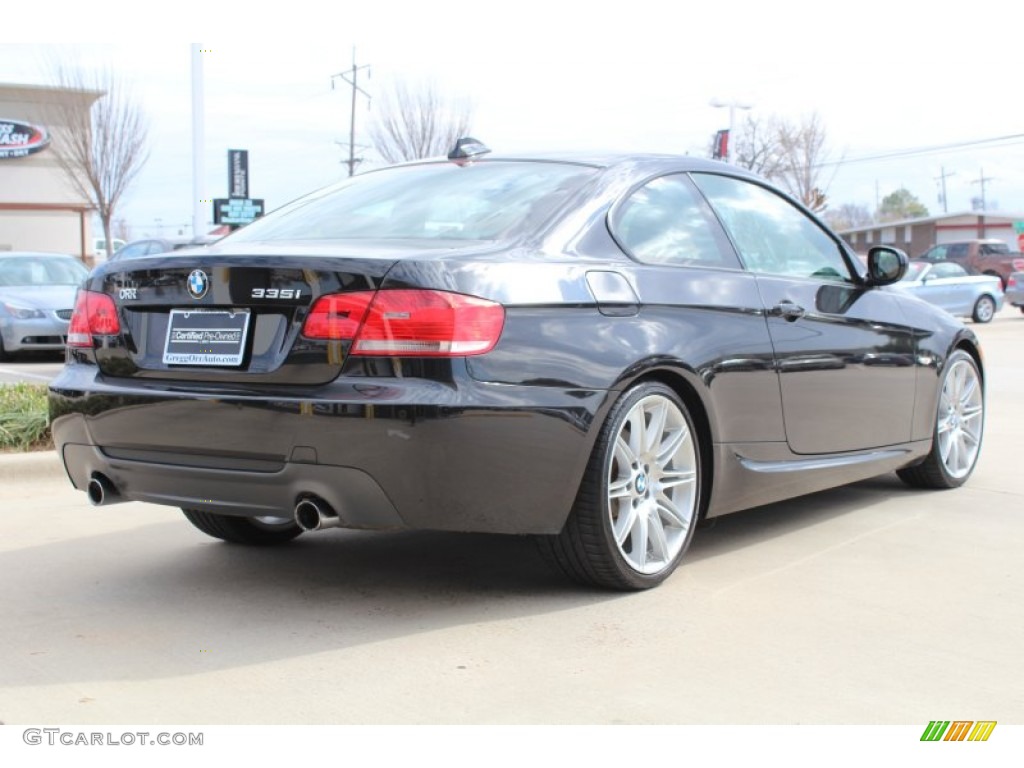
(600, 351)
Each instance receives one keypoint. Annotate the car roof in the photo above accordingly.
(603, 160)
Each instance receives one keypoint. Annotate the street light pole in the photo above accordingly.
(733, 106)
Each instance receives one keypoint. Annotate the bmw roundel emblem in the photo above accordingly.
(198, 284)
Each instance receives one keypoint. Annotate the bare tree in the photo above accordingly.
(848, 216)
(101, 150)
(757, 146)
(793, 155)
(803, 156)
(416, 121)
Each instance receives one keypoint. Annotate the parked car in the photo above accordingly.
(947, 285)
(979, 257)
(1015, 290)
(598, 351)
(37, 294)
(157, 245)
(100, 251)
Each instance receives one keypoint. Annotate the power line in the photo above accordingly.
(1015, 138)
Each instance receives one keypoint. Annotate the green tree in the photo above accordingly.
(900, 205)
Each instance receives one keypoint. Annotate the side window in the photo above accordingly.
(772, 235)
(938, 253)
(666, 221)
(958, 251)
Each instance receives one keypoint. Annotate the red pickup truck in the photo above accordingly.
(980, 257)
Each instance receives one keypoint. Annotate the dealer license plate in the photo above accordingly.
(206, 337)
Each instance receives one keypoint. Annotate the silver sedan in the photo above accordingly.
(949, 286)
(37, 295)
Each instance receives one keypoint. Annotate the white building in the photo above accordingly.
(39, 208)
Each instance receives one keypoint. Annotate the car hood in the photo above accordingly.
(40, 296)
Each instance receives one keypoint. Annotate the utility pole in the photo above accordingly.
(941, 178)
(981, 180)
(351, 77)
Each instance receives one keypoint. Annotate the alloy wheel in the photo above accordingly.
(961, 418)
(652, 484)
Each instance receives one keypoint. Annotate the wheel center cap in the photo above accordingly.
(641, 483)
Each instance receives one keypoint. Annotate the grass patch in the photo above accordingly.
(24, 418)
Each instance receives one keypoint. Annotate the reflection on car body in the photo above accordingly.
(599, 351)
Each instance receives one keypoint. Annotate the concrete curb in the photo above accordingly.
(33, 465)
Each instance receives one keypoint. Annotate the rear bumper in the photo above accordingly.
(400, 453)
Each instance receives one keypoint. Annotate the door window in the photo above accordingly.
(772, 235)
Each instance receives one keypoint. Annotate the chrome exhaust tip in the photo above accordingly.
(313, 514)
(101, 491)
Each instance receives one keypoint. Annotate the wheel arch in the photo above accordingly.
(971, 347)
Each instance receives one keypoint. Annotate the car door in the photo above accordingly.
(699, 305)
(945, 286)
(844, 352)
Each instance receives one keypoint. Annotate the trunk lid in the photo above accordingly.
(221, 317)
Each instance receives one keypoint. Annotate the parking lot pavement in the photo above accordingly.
(35, 369)
(866, 604)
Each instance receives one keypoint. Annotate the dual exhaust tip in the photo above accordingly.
(311, 513)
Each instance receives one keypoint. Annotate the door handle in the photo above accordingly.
(787, 310)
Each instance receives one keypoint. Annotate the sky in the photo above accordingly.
(884, 78)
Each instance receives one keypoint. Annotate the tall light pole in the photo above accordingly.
(199, 208)
(733, 106)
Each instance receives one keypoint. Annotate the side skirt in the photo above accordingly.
(761, 473)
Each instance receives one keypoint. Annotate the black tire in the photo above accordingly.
(4, 356)
(648, 486)
(242, 530)
(984, 309)
(958, 429)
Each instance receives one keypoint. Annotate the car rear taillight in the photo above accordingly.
(337, 316)
(1011, 281)
(94, 315)
(412, 323)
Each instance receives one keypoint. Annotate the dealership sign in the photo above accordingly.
(19, 139)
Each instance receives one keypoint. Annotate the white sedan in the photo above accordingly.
(949, 286)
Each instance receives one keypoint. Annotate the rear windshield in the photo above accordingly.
(488, 200)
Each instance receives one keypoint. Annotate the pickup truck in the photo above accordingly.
(979, 257)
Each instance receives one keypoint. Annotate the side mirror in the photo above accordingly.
(886, 265)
